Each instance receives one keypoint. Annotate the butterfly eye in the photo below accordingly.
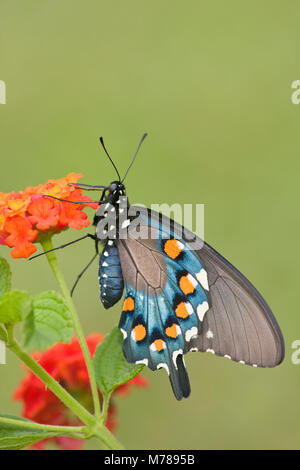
(113, 187)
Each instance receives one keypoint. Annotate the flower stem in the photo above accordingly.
(93, 428)
(54, 386)
(105, 406)
(63, 430)
(108, 439)
(52, 259)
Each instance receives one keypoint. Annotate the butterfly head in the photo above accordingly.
(112, 197)
(113, 192)
(116, 187)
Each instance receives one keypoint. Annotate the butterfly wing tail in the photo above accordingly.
(179, 379)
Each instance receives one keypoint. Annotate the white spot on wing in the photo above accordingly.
(211, 351)
(142, 361)
(105, 253)
(178, 329)
(175, 354)
(227, 356)
(104, 264)
(180, 245)
(191, 333)
(163, 365)
(189, 308)
(110, 242)
(125, 223)
(202, 309)
(242, 362)
(124, 333)
(209, 334)
(192, 280)
(202, 278)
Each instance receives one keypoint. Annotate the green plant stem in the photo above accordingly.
(93, 428)
(44, 427)
(108, 439)
(52, 259)
(105, 406)
(48, 380)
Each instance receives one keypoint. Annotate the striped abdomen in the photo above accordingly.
(110, 275)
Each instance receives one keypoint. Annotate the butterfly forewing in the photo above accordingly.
(239, 324)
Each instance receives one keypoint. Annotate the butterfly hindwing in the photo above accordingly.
(166, 301)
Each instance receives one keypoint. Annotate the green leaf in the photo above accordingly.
(111, 367)
(14, 306)
(15, 437)
(5, 277)
(49, 322)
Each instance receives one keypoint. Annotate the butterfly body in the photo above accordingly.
(110, 275)
(110, 271)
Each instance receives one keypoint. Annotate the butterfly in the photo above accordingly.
(180, 294)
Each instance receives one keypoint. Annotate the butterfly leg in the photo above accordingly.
(71, 202)
(89, 235)
(86, 268)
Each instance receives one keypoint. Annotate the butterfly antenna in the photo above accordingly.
(102, 143)
(134, 157)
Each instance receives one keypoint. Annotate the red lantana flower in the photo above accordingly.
(65, 363)
(26, 216)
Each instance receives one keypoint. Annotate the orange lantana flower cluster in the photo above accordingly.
(27, 215)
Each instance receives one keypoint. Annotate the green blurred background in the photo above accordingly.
(211, 84)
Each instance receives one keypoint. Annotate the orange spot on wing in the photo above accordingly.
(139, 332)
(172, 248)
(181, 310)
(128, 304)
(171, 331)
(159, 344)
(186, 286)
